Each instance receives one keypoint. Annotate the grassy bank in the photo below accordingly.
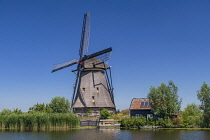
(140, 122)
(39, 121)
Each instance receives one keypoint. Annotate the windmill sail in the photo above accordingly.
(97, 54)
(60, 66)
(85, 35)
(104, 57)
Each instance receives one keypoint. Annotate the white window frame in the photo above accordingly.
(150, 115)
(138, 115)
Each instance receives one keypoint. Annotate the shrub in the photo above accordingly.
(167, 122)
(104, 114)
(133, 122)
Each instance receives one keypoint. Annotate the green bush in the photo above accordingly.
(191, 116)
(167, 122)
(133, 122)
(104, 114)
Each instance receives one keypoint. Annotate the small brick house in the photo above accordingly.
(141, 107)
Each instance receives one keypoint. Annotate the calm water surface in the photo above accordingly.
(107, 134)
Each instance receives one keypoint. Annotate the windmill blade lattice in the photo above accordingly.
(59, 66)
(85, 35)
(104, 57)
(96, 54)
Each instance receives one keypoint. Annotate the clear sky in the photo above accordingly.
(153, 41)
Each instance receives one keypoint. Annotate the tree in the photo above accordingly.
(59, 105)
(204, 96)
(17, 111)
(193, 109)
(48, 109)
(6, 112)
(40, 108)
(164, 100)
(104, 114)
(125, 112)
(191, 116)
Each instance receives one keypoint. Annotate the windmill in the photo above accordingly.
(93, 86)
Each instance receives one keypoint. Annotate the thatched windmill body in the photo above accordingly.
(93, 86)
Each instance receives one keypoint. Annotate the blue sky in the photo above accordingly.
(153, 41)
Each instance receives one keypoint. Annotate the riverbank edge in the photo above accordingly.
(50, 128)
(125, 128)
(184, 129)
(96, 127)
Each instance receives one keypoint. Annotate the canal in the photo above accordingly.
(106, 134)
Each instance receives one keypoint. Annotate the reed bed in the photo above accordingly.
(39, 121)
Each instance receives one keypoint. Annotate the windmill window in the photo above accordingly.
(83, 90)
(93, 99)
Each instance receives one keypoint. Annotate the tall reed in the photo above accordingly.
(39, 120)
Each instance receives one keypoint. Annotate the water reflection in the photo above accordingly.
(194, 135)
(106, 134)
(155, 134)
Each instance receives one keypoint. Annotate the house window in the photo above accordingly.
(149, 116)
(83, 90)
(97, 88)
(93, 99)
(145, 104)
(138, 115)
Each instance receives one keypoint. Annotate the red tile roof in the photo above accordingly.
(136, 103)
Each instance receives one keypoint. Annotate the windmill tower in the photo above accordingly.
(93, 86)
